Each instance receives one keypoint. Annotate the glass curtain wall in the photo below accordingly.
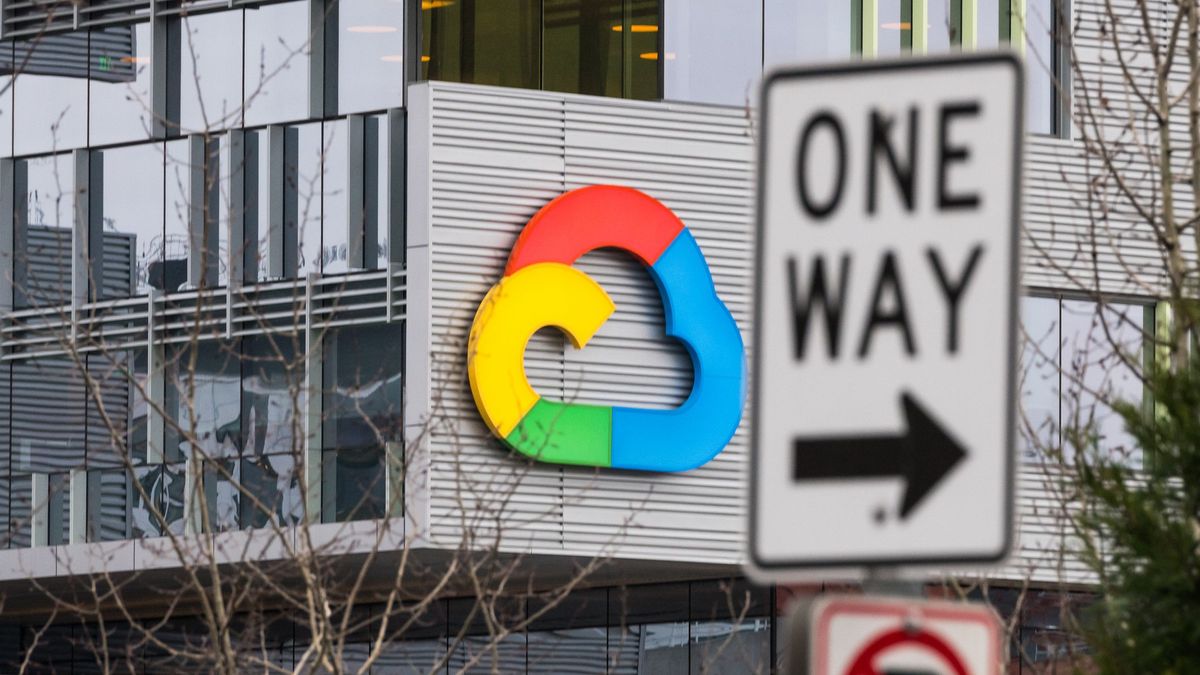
(602, 47)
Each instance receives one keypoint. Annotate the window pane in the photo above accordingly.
(494, 42)
(370, 55)
(363, 389)
(176, 240)
(203, 399)
(1038, 380)
(50, 93)
(174, 486)
(717, 48)
(210, 91)
(276, 62)
(272, 374)
(119, 95)
(731, 646)
(116, 435)
(894, 27)
(815, 31)
(335, 185)
(353, 485)
(6, 99)
(48, 409)
(142, 519)
(642, 53)
(1101, 360)
(107, 505)
(131, 214)
(1039, 64)
(222, 498)
(42, 268)
(988, 28)
(20, 511)
(58, 510)
(583, 46)
(943, 33)
(274, 482)
(303, 181)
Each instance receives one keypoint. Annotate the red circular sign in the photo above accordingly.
(864, 663)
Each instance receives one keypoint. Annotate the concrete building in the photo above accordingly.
(198, 196)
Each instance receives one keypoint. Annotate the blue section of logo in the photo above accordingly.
(695, 432)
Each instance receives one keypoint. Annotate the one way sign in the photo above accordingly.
(886, 314)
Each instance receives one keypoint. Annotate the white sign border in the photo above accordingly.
(784, 570)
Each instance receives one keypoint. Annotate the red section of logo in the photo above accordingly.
(589, 218)
(864, 662)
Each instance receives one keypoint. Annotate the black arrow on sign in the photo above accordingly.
(922, 456)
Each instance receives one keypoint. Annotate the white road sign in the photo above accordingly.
(885, 316)
(881, 636)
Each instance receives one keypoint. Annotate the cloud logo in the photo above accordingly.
(540, 288)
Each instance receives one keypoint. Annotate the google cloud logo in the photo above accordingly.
(540, 288)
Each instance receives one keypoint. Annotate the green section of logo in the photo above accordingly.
(564, 433)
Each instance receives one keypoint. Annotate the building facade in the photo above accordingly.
(243, 244)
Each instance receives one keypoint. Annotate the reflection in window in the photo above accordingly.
(107, 505)
(276, 62)
(58, 509)
(42, 264)
(335, 182)
(816, 31)
(303, 161)
(146, 510)
(50, 93)
(210, 92)
(48, 416)
(119, 85)
(371, 55)
(177, 241)
(584, 44)
(202, 400)
(131, 216)
(222, 496)
(116, 422)
(270, 491)
(272, 382)
(716, 48)
(1038, 379)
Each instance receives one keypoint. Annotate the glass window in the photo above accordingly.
(119, 88)
(815, 31)
(363, 387)
(641, 51)
(371, 54)
(272, 394)
(1038, 379)
(270, 491)
(7, 65)
(20, 512)
(353, 484)
(572, 634)
(335, 184)
(58, 509)
(177, 242)
(378, 193)
(116, 409)
(277, 61)
(485, 653)
(107, 505)
(131, 213)
(48, 416)
(222, 495)
(988, 28)
(42, 267)
(146, 512)
(944, 29)
(894, 29)
(51, 93)
(202, 398)
(304, 155)
(1039, 66)
(584, 44)
(495, 42)
(1101, 362)
(173, 488)
(209, 98)
(714, 50)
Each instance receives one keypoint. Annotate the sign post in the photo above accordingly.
(885, 315)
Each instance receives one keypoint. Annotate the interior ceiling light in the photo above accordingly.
(395, 58)
(653, 56)
(372, 29)
(435, 4)
(637, 28)
(900, 25)
(135, 59)
(425, 58)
